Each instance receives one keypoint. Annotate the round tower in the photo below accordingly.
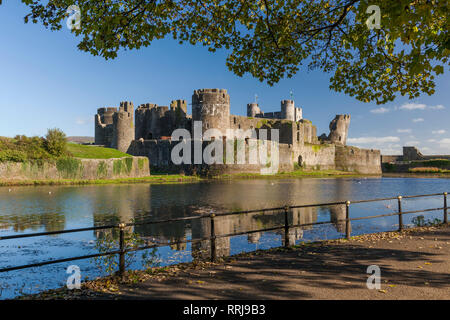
(288, 110)
(253, 109)
(123, 127)
(212, 107)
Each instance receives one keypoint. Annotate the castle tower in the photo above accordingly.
(298, 114)
(288, 110)
(253, 110)
(212, 107)
(180, 105)
(123, 127)
(103, 126)
(142, 120)
(339, 129)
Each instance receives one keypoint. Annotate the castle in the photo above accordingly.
(148, 130)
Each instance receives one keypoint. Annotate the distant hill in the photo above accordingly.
(76, 139)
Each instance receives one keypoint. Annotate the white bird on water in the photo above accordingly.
(9, 190)
(49, 192)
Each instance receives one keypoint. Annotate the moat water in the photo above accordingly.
(48, 208)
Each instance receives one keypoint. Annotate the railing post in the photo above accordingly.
(445, 208)
(213, 239)
(347, 220)
(400, 217)
(122, 249)
(286, 227)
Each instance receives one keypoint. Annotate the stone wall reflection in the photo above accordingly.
(224, 197)
(337, 217)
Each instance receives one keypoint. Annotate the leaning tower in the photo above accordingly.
(212, 107)
(123, 127)
(339, 129)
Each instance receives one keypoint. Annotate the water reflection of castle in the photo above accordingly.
(179, 231)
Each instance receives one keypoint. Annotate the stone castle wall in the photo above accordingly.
(365, 161)
(411, 154)
(73, 168)
(298, 139)
(153, 122)
(159, 153)
(288, 111)
(316, 157)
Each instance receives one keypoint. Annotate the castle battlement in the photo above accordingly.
(200, 91)
(126, 106)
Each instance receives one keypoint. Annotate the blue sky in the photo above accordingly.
(46, 82)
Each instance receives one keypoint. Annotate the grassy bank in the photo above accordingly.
(435, 166)
(294, 174)
(157, 179)
(176, 178)
(428, 170)
(92, 152)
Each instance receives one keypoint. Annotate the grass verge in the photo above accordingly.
(93, 152)
(295, 174)
(176, 178)
(157, 179)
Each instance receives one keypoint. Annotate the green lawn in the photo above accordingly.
(295, 174)
(92, 152)
(154, 179)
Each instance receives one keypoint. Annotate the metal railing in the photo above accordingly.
(212, 238)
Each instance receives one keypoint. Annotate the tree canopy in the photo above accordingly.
(274, 39)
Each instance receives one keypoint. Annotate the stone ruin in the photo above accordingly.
(148, 132)
(114, 127)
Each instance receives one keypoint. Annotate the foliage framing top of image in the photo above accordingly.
(272, 39)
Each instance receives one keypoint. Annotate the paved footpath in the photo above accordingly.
(414, 265)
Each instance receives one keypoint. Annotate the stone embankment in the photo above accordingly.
(76, 168)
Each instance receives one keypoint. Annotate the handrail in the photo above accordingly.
(122, 251)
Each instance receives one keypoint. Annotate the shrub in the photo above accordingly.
(13, 155)
(55, 142)
(22, 148)
(420, 221)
